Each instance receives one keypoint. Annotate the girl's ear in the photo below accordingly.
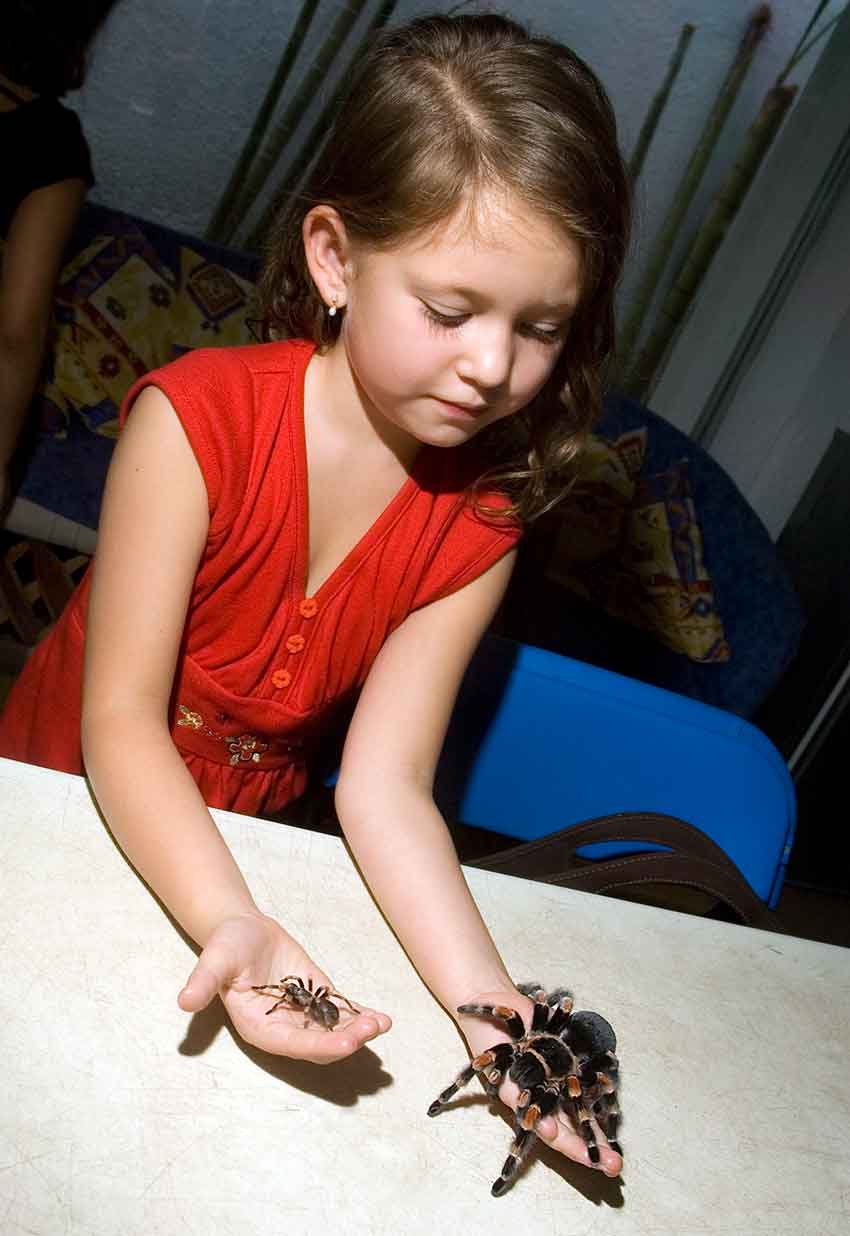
(328, 253)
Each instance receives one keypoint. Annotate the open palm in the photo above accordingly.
(253, 950)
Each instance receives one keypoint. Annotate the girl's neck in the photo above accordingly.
(348, 415)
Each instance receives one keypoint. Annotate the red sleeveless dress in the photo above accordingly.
(263, 667)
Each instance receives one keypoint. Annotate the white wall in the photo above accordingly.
(174, 86)
(797, 390)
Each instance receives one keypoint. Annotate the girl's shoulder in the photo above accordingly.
(220, 393)
(287, 356)
(240, 383)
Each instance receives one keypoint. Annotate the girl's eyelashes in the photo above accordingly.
(451, 321)
(546, 334)
(448, 321)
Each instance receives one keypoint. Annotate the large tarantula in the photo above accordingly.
(291, 993)
(564, 1059)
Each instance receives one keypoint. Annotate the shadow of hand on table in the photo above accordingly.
(344, 1082)
(597, 1188)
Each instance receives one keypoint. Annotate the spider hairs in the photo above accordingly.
(565, 1061)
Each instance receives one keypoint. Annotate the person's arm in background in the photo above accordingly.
(32, 258)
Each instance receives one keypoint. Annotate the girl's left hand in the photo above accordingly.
(556, 1131)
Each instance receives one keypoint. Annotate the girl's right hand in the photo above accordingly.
(253, 950)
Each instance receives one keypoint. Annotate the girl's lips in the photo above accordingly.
(464, 409)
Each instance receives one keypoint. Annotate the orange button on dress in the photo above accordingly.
(262, 666)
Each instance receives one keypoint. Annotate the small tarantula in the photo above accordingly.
(317, 1004)
(565, 1060)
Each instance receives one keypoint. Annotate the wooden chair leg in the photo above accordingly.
(50, 581)
(53, 579)
(23, 621)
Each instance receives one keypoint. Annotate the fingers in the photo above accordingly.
(565, 1140)
(320, 1046)
(201, 986)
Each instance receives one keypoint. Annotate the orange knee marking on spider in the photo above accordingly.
(573, 1087)
(502, 1010)
(531, 1117)
(486, 1057)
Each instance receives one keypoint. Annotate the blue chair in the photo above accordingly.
(538, 742)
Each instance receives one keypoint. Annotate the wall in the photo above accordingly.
(796, 392)
(174, 86)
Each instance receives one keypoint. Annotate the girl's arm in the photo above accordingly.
(153, 531)
(400, 840)
(384, 794)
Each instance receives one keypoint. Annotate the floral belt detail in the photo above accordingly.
(243, 748)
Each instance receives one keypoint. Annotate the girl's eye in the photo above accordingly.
(447, 321)
(545, 334)
(451, 321)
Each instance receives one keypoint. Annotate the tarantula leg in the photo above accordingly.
(339, 996)
(496, 1059)
(520, 1147)
(540, 1016)
(574, 1101)
(531, 989)
(533, 1105)
(273, 989)
(606, 1109)
(513, 1022)
(561, 1005)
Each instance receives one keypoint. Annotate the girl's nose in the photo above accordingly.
(487, 357)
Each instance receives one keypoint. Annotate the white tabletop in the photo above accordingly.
(123, 1116)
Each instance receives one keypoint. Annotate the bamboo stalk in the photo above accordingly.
(659, 102)
(803, 48)
(222, 224)
(298, 105)
(723, 209)
(688, 185)
(311, 143)
(800, 49)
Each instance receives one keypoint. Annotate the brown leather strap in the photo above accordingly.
(691, 859)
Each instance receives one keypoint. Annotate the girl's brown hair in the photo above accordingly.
(439, 111)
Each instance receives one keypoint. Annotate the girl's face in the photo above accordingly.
(447, 333)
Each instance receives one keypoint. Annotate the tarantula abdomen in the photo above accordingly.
(591, 1034)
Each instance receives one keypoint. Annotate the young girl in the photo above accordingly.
(288, 523)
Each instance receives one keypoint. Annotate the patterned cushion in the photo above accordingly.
(644, 563)
(591, 519)
(120, 311)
